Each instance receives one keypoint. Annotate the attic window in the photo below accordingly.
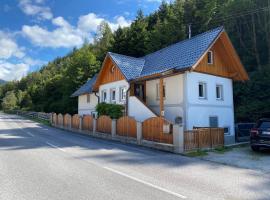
(112, 68)
(210, 57)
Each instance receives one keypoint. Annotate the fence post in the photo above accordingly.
(113, 128)
(51, 118)
(94, 125)
(139, 132)
(178, 138)
(80, 122)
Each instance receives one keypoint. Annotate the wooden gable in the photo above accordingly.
(108, 73)
(226, 62)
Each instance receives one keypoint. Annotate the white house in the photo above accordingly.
(196, 78)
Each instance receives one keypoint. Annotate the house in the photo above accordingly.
(190, 82)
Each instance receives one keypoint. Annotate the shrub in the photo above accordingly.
(113, 110)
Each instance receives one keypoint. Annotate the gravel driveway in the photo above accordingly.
(242, 157)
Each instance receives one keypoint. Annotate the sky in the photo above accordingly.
(34, 32)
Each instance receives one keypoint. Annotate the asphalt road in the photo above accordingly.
(39, 162)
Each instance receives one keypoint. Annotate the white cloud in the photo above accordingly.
(66, 35)
(8, 47)
(34, 8)
(10, 71)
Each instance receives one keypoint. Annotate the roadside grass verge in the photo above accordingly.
(41, 121)
(197, 153)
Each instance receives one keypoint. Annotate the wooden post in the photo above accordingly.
(161, 99)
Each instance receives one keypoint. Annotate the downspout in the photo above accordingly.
(97, 96)
(127, 100)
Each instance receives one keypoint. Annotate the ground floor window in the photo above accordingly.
(122, 93)
(113, 95)
(103, 95)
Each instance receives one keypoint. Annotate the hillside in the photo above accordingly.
(50, 88)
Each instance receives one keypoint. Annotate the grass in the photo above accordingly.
(198, 153)
(222, 150)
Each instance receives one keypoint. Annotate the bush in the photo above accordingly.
(113, 110)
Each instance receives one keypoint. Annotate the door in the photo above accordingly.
(139, 91)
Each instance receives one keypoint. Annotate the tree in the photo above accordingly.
(9, 101)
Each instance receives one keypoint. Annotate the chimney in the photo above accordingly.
(189, 31)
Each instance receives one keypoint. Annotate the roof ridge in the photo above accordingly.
(200, 34)
(126, 55)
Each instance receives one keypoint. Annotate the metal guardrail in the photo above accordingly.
(37, 115)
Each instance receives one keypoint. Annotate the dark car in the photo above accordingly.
(260, 135)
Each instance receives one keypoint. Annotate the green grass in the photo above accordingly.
(222, 150)
(197, 153)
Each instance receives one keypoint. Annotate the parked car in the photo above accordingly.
(242, 131)
(260, 135)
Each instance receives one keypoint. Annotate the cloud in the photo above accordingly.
(10, 71)
(8, 47)
(65, 35)
(35, 8)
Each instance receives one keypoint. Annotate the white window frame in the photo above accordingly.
(211, 58)
(221, 97)
(157, 91)
(204, 90)
(87, 98)
(122, 93)
(229, 131)
(102, 95)
(111, 95)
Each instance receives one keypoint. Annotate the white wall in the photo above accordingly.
(84, 107)
(117, 85)
(173, 102)
(138, 110)
(199, 110)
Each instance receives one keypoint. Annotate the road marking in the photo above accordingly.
(146, 183)
(54, 146)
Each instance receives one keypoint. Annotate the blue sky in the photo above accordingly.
(33, 32)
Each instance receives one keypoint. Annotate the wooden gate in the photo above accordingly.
(75, 121)
(104, 124)
(60, 120)
(203, 138)
(87, 123)
(67, 120)
(126, 126)
(157, 129)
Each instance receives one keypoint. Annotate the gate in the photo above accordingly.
(126, 126)
(157, 129)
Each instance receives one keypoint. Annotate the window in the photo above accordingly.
(213, 121)
(219, 92)
(122, 93)
(202, 90)
(103, 95)
(88, 98)
(164, 90)
(113, 95)
(112, 68)
(227, 130)
(210, 57)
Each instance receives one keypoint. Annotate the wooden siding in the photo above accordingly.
(106, 74)
(225, 61)
(126, 126)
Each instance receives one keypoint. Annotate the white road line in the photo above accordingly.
(146, 183)
(54, 146)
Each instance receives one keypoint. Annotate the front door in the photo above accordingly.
(139, 91)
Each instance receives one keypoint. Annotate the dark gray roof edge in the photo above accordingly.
(85, 88)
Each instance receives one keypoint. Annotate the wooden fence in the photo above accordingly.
(157, 129)
(126, 126)
(75, 121)
(203, 138)
(104, 124)
(67, 120)
(87, 123)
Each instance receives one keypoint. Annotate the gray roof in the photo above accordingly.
(86, 88)
(178, 56)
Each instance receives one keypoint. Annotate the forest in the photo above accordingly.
(247, 23)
